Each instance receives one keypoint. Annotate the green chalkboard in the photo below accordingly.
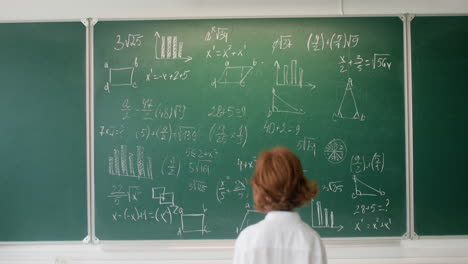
(43, 132)
(440, 82)
(182, 108)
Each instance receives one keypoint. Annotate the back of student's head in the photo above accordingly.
(279, 183)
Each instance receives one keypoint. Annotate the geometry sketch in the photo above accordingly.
(193, 223)
(250, 217)
(159, 193)
(290, 75)
(279, 105)
(122, 163)
(169, 48)
(121, 76)
(348, 108)
(363, 189)
(233, 75)
(335, 151)
(324, 219)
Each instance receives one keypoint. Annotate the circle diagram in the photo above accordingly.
(335, 151)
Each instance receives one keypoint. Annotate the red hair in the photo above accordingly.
(279, 182)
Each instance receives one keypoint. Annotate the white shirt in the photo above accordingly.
(280, 238)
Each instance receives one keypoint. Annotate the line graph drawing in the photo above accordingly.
(348, 108)
(234, 75)
(250, 217)
(291, 75)
(335, 151)
(279, 105)
(169, 48)
(322, 217)
(363, 189)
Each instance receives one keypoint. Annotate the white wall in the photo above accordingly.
(77, 9)
(389, 252)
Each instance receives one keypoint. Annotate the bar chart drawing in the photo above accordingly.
(323, 218)
(169, 48)
(127, 164)
(279, 105)
(291, 75)
(348, 108)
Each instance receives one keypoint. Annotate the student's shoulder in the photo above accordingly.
(252, 231)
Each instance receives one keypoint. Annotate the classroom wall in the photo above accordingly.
(73, 9)
(432, 251)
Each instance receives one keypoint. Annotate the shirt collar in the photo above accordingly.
(283, 216)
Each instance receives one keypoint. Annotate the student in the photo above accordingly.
(279, 186)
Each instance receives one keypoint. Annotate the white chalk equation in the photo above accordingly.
(372, 208)
(332, 41)
(323, 218)
(217, 34)
(375, 224)
(169, 48)
(128, 41)
(222, 111)
(363, 163)
(181, 75)
(282, 43)
(111, 131)
(149, 110)
(225, 52)
(378, 61)
(291, 75)
(307, 144)
(271, 127)
(333, 186)
(127, 164)
(131, 193)
(221, 134)
(348, 108)
(168, 133)
(230, 187)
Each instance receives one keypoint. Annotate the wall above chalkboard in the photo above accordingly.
(182, 108)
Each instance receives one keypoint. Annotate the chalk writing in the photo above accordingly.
(171, 76)
(221, 134)
(379, 61)
(322, 41)
(217, 33)
(271, 127)
(226, 52)
(282, 43)
(131, 40)
(227, 111)
(362, 163)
